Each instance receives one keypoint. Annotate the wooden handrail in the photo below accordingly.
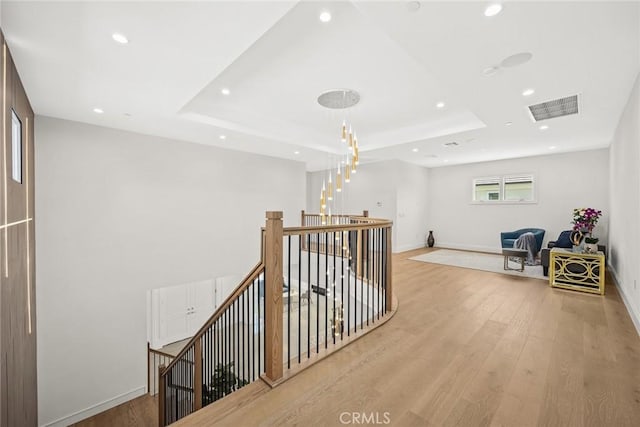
(343, 227)
(160, 352)
(248, 280)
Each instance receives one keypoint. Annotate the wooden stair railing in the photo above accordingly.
(316, 288)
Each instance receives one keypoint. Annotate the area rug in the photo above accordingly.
(479, 261)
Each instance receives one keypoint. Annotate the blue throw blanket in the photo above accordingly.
(527, 242)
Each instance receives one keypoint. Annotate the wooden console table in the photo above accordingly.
(577, 271)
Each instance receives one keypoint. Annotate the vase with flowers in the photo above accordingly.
(584, 221)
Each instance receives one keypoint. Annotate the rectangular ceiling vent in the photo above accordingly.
(555, 108)
(451, 144)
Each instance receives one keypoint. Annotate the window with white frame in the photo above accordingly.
(508, 188)
(16, 147)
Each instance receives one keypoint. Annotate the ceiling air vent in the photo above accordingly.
(451, 144)
(555, 108)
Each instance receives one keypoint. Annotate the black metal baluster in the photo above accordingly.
(250, 332)
(349, 270)
(326, 288)
(341, 284)
(236, 336)
(384, 273)
(368, 273)
(362, 286)
(318, 295)
(260, 325)
(243, 349)
(299, 295)
(226, 342)
(333, 293)
(289, 302)
(309, 295)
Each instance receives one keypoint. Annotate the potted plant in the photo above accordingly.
(591, 244)
(223, 381)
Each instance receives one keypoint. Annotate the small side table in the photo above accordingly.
(577, 271)
(514, 253)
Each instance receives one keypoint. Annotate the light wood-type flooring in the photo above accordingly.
(466, 348)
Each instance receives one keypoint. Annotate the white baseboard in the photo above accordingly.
(97, 408)
(409, 247)
(625, 299)
(476, 248)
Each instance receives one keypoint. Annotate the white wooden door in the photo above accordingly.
(173, 318)
(201, 304)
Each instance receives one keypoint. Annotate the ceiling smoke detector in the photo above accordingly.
(337, 99)
(554, 108)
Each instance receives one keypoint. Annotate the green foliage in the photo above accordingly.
(223, 381)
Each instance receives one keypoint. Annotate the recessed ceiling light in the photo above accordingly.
(440, 105)
(544, 127)
(493, 9)
(415, 150)
(225, 91)
(223, 136)
(325, 16)
(98, 110)
(120, 38)
(528, 92)
(553, 147)
(508, 123)
(296, 152)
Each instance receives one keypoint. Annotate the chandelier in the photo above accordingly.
(348, 153)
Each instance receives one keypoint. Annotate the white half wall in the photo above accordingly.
(563, 182)
(121, 213)
(624, 191)
(392, 190)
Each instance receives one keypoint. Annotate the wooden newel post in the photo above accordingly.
(389, 275)
(273, 296)
(302, 224)
(161, 396)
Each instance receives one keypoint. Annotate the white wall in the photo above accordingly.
(563, 182)
(121, 213)
(624, 190)
(413, 204)
(392, 190)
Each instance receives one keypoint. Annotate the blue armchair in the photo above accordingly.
(508, 238)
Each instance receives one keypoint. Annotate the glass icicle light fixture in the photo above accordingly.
(350, 137)
(344, 131)
(347, 173)
(338, 181)
(330, 188)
